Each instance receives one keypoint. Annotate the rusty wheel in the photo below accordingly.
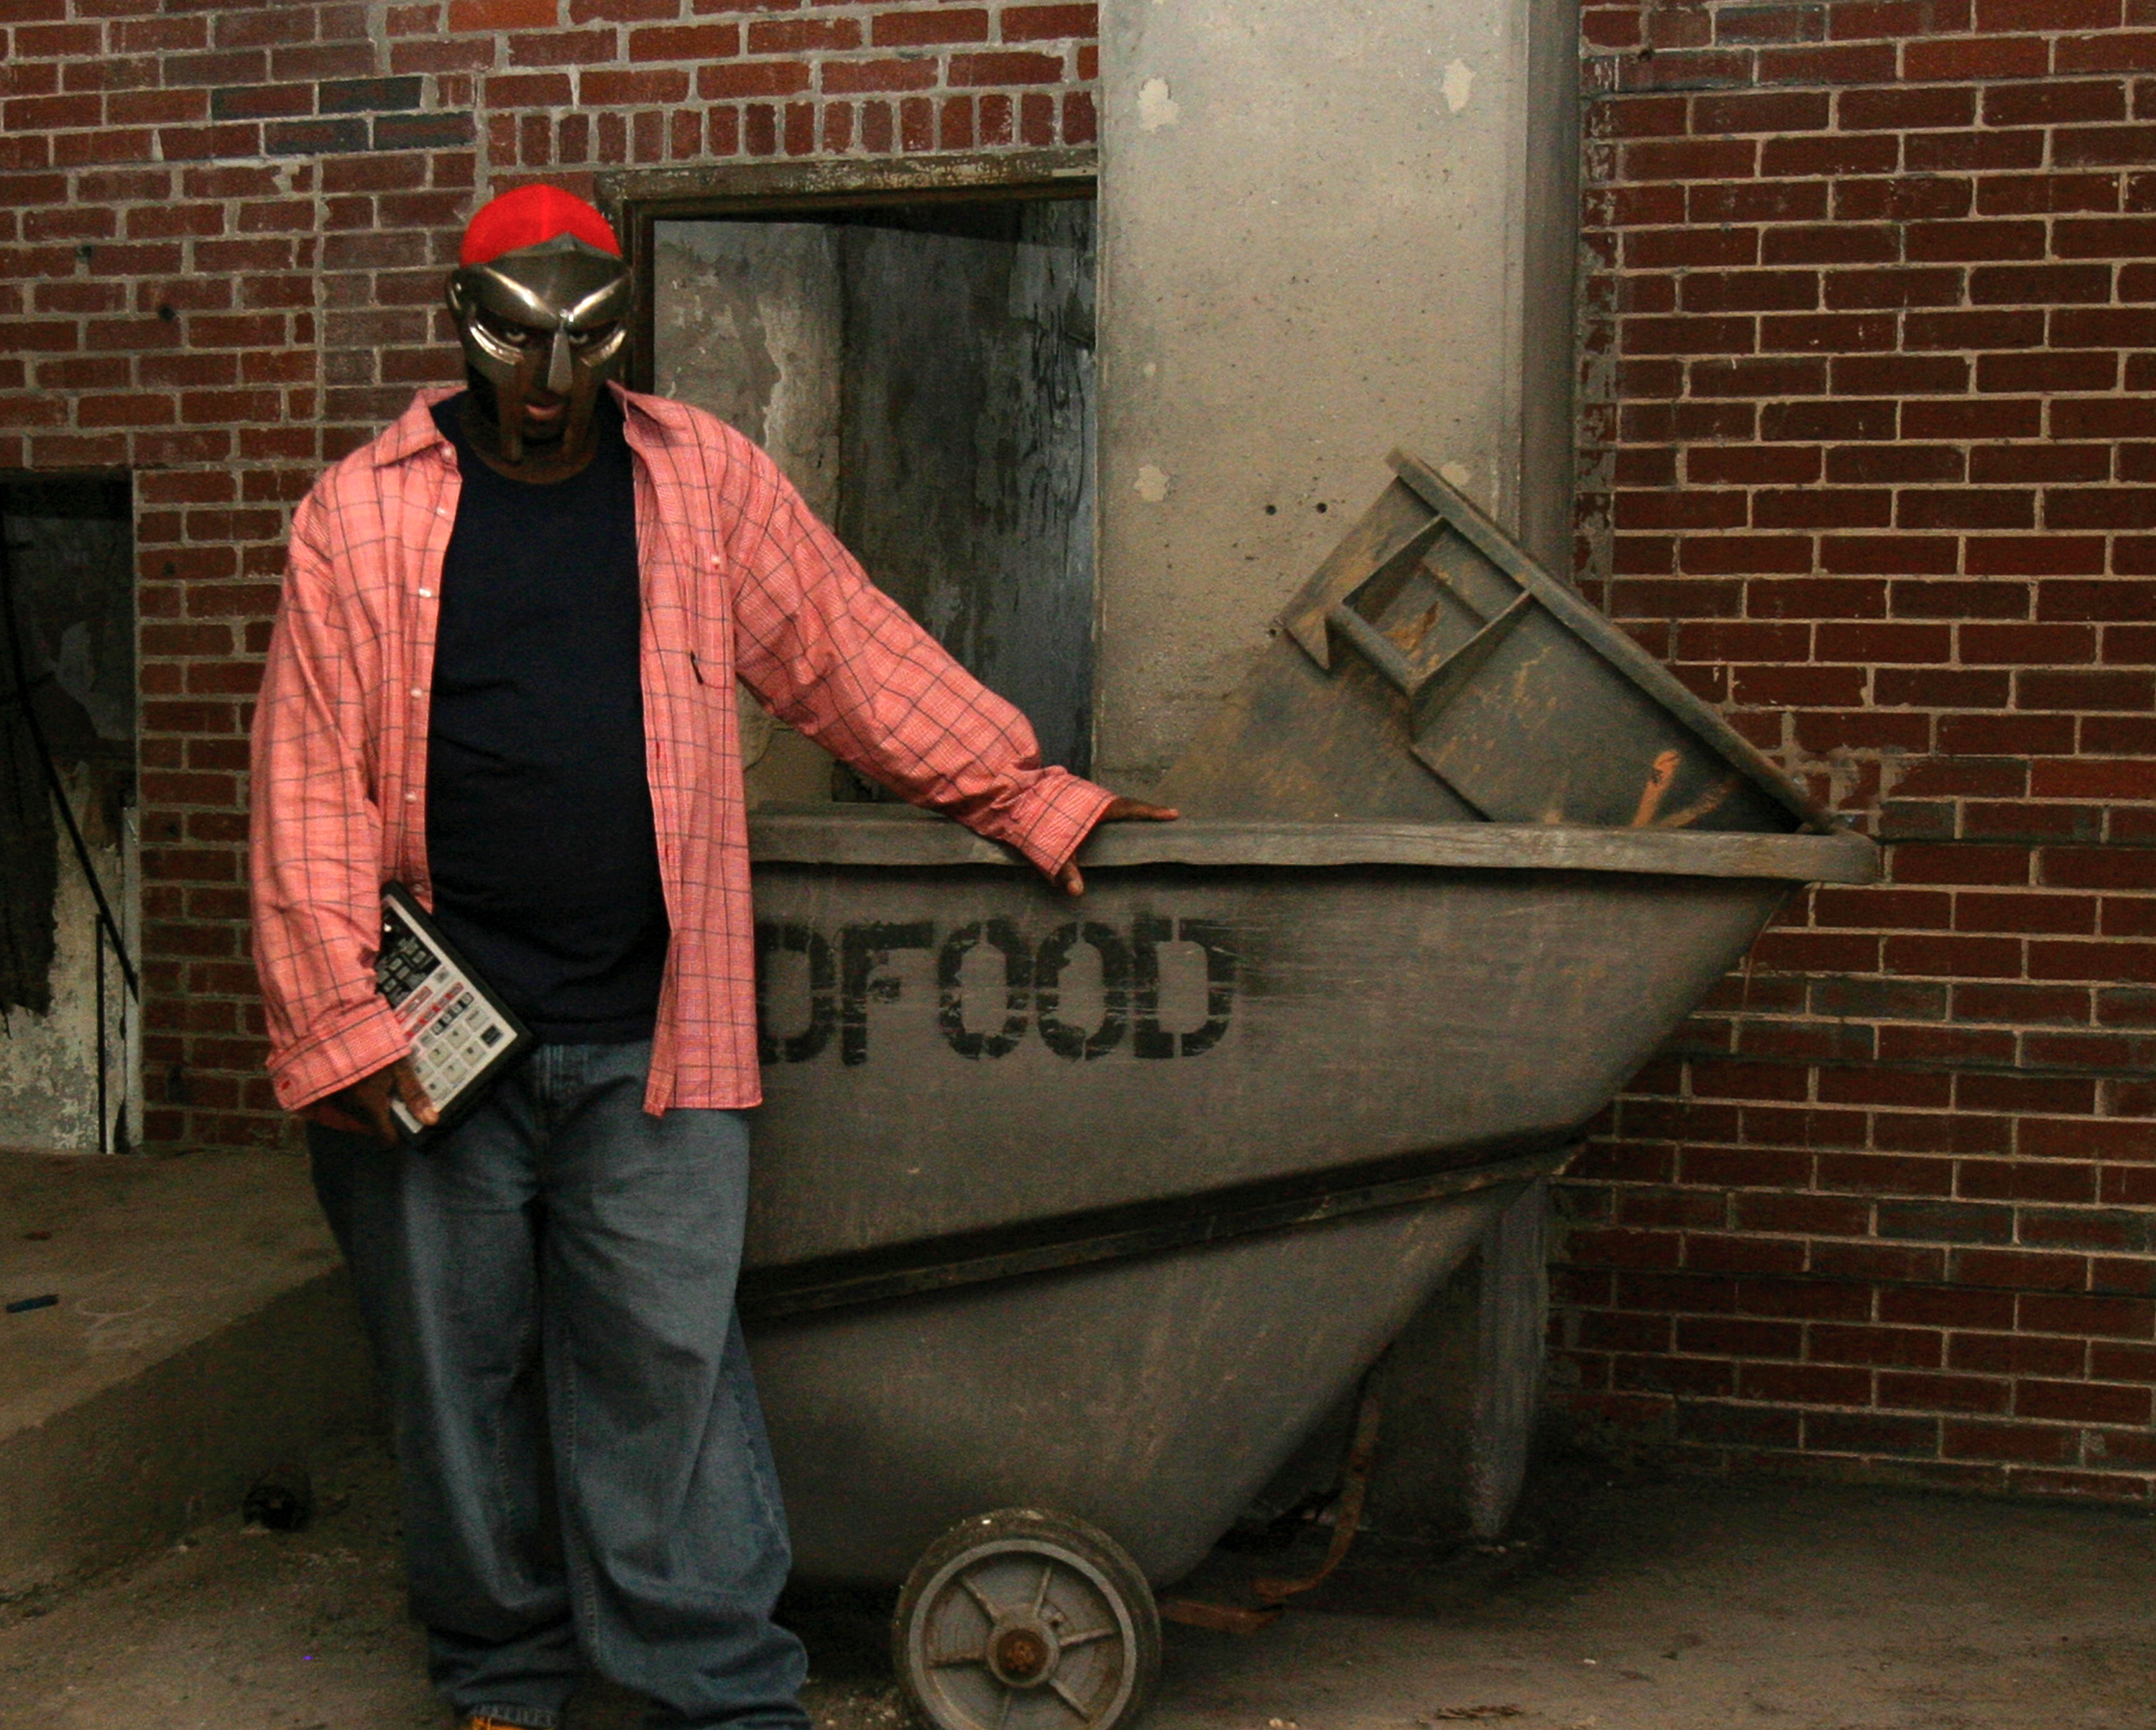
(1025, 1621)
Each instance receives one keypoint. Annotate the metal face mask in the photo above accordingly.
(551, 317)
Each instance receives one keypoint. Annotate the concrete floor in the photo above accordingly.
(1638, 1604)
(197, 1330)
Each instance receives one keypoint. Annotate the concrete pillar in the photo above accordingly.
(1327, 230)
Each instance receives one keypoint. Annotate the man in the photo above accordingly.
(503, 673)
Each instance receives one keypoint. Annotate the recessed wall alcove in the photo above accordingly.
(917, 355)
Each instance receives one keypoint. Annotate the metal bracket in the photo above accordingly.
(1355, 1487)
(1221, 1618)
(1346, 1503)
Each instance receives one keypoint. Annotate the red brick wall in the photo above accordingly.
(1868, 324)
(1869, 440)
(222, 235)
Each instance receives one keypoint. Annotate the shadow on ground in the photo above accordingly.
(1625, 1602)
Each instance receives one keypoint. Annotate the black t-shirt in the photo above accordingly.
(539, 829)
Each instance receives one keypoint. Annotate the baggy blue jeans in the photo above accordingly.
(549, 1290)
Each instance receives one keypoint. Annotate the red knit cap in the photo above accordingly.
(530, 215)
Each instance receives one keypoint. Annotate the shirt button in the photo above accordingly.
(426, 594)
(411, 798)
(417, 692)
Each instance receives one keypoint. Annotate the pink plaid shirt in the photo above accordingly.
(738, 578)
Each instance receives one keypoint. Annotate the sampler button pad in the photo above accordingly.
(459, 1033)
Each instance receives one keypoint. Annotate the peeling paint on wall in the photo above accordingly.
(750, 325)
(49, 1062)
(968, 485)
(72, 564)
(1156, 107)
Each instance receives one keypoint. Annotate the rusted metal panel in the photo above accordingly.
(637, 200)
(967, 469)
(922, 370)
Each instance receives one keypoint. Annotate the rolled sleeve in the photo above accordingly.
(833, 656)
(1048, 820)
(315, 836)
(333, 1056)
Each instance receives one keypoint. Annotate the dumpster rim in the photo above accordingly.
(900, 836)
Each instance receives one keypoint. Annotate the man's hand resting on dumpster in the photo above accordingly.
(363, 1107)
(1123, 810)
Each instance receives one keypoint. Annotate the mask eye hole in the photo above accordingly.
(512, 335)
(592, 338)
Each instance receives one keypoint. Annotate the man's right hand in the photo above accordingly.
(363, 1107)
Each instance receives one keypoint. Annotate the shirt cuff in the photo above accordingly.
(352, 1048)
(1050, 820)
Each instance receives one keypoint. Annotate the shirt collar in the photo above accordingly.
(414, 429)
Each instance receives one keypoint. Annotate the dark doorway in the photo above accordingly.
(68, 855)
(923, 372)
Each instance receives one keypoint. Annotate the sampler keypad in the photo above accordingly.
(459, 1033)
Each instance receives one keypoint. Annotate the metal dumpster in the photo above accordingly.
(1070, 1219)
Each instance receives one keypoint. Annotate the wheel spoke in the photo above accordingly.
(988, 1604)
(1004, 1710)
(1084, 1637)
(951, 1661)
(1040, 1594)
(1069, 1698)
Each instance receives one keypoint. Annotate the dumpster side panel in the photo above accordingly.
(1152, 1397)
(954, 1050)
